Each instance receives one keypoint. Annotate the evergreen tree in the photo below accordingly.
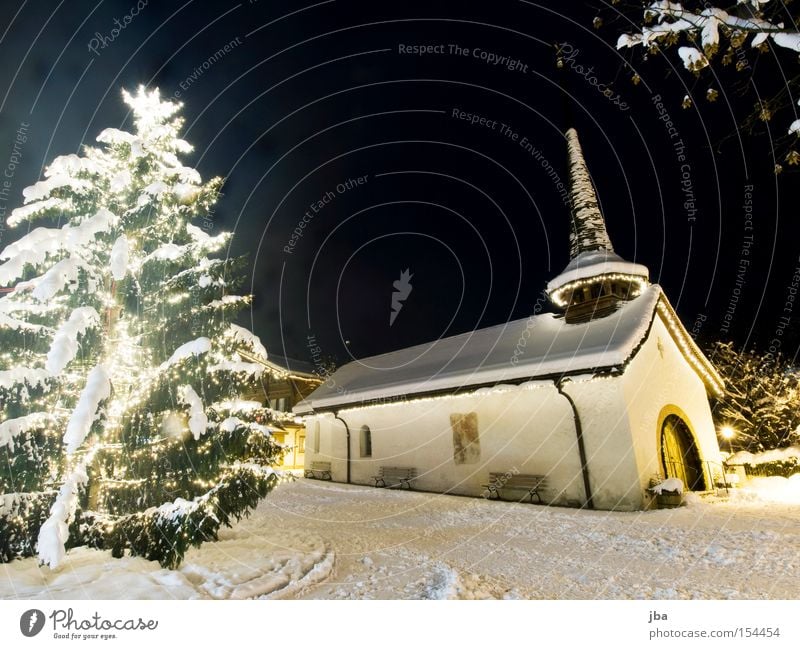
(120, 425)
(762, 400)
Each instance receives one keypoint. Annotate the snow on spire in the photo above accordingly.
(587, 229)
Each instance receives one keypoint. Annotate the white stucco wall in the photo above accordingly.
(527, 428)
(607, 439)
(531, 429)
(657, 378)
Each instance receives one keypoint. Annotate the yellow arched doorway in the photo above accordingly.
(679, 453)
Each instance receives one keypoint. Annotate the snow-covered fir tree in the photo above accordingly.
(120, 369)
(762, 400)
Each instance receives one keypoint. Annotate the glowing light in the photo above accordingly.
(638, 284)
(727, 432)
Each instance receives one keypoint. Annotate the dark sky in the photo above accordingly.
(310, 96)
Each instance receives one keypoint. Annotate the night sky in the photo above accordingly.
(305, 99)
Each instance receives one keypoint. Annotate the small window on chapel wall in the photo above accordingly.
(366, 442)
(316, 437)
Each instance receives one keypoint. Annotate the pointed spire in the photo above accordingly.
(587, 229)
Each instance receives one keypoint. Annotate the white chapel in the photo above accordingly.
(603, 396)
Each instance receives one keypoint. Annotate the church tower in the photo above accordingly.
(596, 280)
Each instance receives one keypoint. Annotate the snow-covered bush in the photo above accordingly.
(762, 399)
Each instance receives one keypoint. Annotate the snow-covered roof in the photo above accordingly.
(594, 263)
(282, 365)
(539, 346)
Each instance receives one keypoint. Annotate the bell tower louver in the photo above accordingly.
(596, 279)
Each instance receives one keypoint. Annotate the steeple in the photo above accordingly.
(596, 280)
(588, 228)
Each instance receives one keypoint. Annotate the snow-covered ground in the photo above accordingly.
(313, 539)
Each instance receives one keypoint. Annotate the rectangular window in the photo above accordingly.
(316, 437)
(366, 442)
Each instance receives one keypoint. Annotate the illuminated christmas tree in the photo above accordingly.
(120, 369)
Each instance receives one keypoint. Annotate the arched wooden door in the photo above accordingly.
(679, 453)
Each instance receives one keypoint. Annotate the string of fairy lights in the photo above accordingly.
(561, 295)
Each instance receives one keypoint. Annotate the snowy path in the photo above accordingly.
(400, 544)
(315, 539)
(251, 560)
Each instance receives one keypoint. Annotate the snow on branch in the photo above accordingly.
(35, 246)
(8, 322)
(167, 252)
(204, 242)
(62, 275)
(202, 273)
(200, 245)
(43, 188)
(65, 343)
(247, 337)
(228, 300)
(120, 254)
(230, 424)
(194, 347)
(23, 376)
(12, 428)
(693, 59)
(71, 165)
(55, 531)
(671, 19)
(97, 390)
(237, 367)
(198, 422)
(27, 212)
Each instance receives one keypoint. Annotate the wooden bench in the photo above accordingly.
(319, 470)
(395, 476)
(519, 481)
